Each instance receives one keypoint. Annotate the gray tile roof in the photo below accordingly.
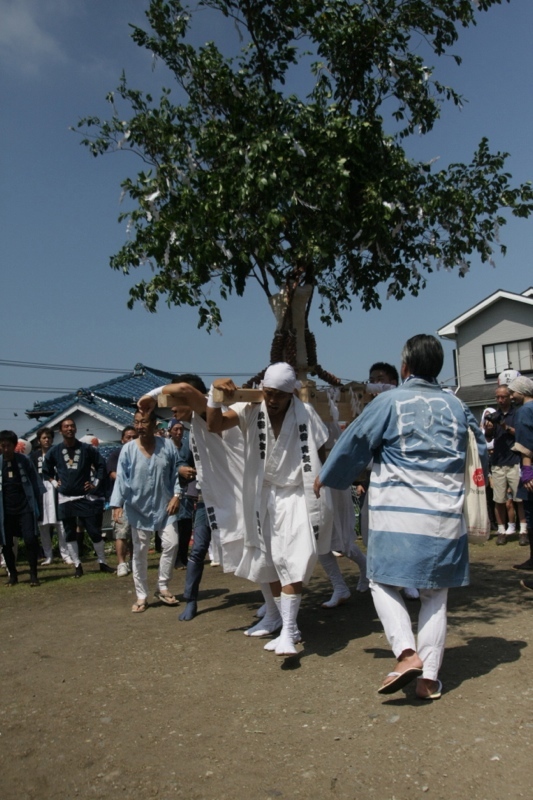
(123, 391)
(114, 399)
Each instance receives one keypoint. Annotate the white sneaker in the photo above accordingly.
(68, 561)
(46, 562)
(511, 529)
(122, 570)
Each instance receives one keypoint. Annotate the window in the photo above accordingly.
(508, 355)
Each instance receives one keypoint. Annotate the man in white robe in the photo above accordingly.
(216, 470)
(285, 526)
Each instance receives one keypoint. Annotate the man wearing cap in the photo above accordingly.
(286, 525)
(505, 466)
(121, 528)
(179, 436)
(522, 392)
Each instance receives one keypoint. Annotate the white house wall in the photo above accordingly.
(86, 426)
(504, 321)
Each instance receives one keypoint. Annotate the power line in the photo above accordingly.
(121, 371)
(60, 367)
(34, 389)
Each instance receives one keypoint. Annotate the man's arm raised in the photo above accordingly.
(218, 420)
(183, 392)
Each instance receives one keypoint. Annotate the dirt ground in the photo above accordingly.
(96, 702)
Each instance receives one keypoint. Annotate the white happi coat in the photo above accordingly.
(219, 462)
(286, 526)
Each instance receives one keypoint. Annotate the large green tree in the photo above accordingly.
(306, 191)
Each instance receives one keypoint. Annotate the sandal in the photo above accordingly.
(399, 680)
(436, 694)
(167, 599)
(139, 607)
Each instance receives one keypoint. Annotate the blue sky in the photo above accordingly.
(62, 304)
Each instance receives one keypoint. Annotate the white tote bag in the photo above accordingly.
(475, 506)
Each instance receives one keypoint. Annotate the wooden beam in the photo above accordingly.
(318, 398)
(238, 396)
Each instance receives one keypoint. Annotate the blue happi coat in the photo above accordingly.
(524, 444)
(417, 438)
(33, 490)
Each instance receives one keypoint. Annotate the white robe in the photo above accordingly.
(49, 505)
(219, 461)
(286, 525)
(343, 534)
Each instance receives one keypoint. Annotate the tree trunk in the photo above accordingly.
(293, 342)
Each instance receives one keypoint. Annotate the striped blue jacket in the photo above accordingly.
(417, 438)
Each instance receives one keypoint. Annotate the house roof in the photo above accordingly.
(481, 394)
(112, 402)
(449, 331)
(123, 391)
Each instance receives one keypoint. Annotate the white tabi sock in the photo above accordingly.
(271, 621)
(271, 646)
(290, 605)
(261, 611)
(73, 552)
(357, 555)
(99, 550)
(341, 593)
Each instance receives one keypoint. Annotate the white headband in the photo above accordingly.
(281, 376)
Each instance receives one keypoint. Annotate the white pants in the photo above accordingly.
(45, 529)
(396, 622)
(139, 564)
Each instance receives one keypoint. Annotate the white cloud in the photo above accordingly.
(25, 43)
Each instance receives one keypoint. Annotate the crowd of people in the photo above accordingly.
(269, 485)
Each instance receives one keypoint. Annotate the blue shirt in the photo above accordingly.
(144, 486)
